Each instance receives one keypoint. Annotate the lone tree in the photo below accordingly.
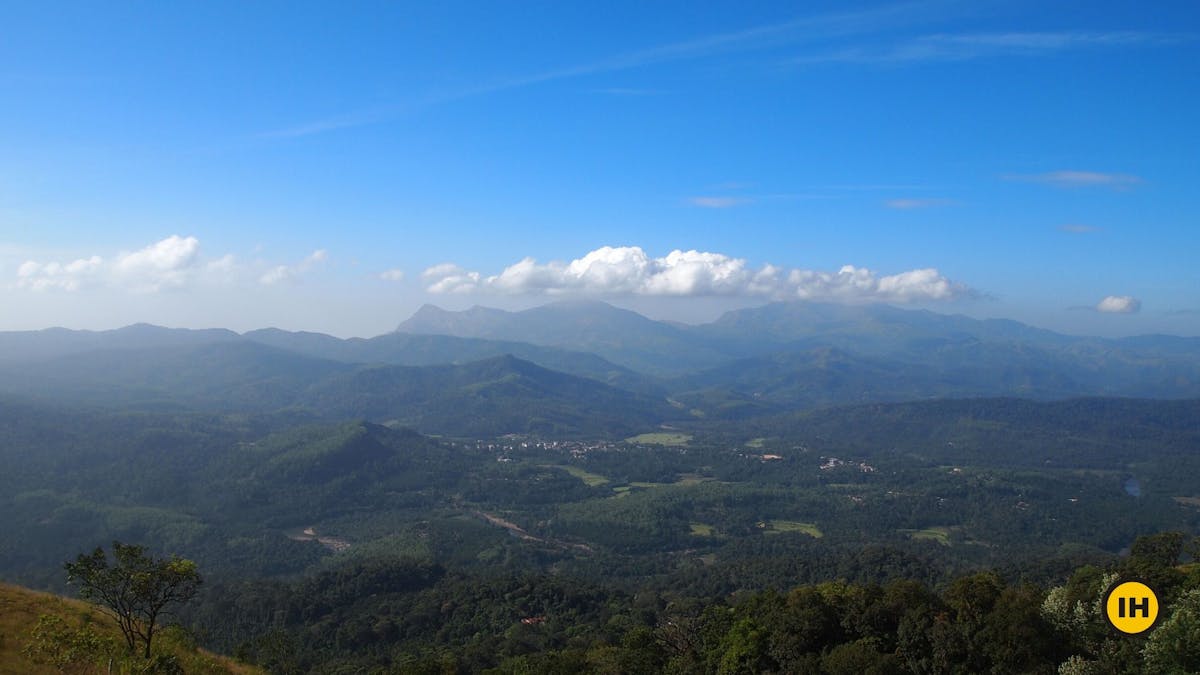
(135, 589)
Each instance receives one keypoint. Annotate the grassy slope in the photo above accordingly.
(19, 612)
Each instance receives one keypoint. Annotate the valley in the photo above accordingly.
(293, 470)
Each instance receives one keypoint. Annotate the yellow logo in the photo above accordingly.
(1131, 607)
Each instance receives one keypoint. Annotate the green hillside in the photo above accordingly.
(20, 612)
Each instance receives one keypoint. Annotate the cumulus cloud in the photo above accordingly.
(628, 270)
(166, 263)
(392, 275)
(1080, 179)
(225, 264)
(285, 273)
(175, 262)
(275, 275)
(71, 276)
(1119, 304)
(450, 278)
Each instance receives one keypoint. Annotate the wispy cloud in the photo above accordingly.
(1079, 179)
(735, 194)
(821, 27)
(628, 270)
(625, 91)
(967, 46)
(913, 204)
(395, 274)
(731, 185)
(286, 273)
(1074, 228)
(349, 121)
(718, 202)
(868, 187)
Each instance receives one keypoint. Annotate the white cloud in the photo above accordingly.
(275, 275)
(1119, 304)
(629, 270)
(169, 263)
(71, 276)
(1079, 179)
(175, 262)
(282, 273)
(450, 278)
(163, 264)
(225, 264)
(392, 275)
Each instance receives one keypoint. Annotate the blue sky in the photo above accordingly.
(332, 166)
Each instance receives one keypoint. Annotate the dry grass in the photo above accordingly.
(19, 612)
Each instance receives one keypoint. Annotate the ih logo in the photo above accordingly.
(1131, 607)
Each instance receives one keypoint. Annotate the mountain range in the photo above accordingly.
(588, 368)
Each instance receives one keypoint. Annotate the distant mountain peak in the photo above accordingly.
(581, 303)
(142, 327)
(431, 319)
(429, 309)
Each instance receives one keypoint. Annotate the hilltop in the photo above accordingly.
(20, 609)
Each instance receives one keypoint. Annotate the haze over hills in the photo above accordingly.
(501, 394)
(565, 358)
(844, 353)
(619, 335)
(37, 345)
(403, 349)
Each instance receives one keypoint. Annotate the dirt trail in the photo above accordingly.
(521, 534)
(508, 525)
(310, 534)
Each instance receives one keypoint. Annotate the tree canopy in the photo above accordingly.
(135, 588)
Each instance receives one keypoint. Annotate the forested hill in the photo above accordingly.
(952, 429)
(402, 349)
(488, 398)
(493, 396)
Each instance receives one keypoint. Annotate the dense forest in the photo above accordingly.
(927, 537)
(411, 617)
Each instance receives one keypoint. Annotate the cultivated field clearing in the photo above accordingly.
(661, 438)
